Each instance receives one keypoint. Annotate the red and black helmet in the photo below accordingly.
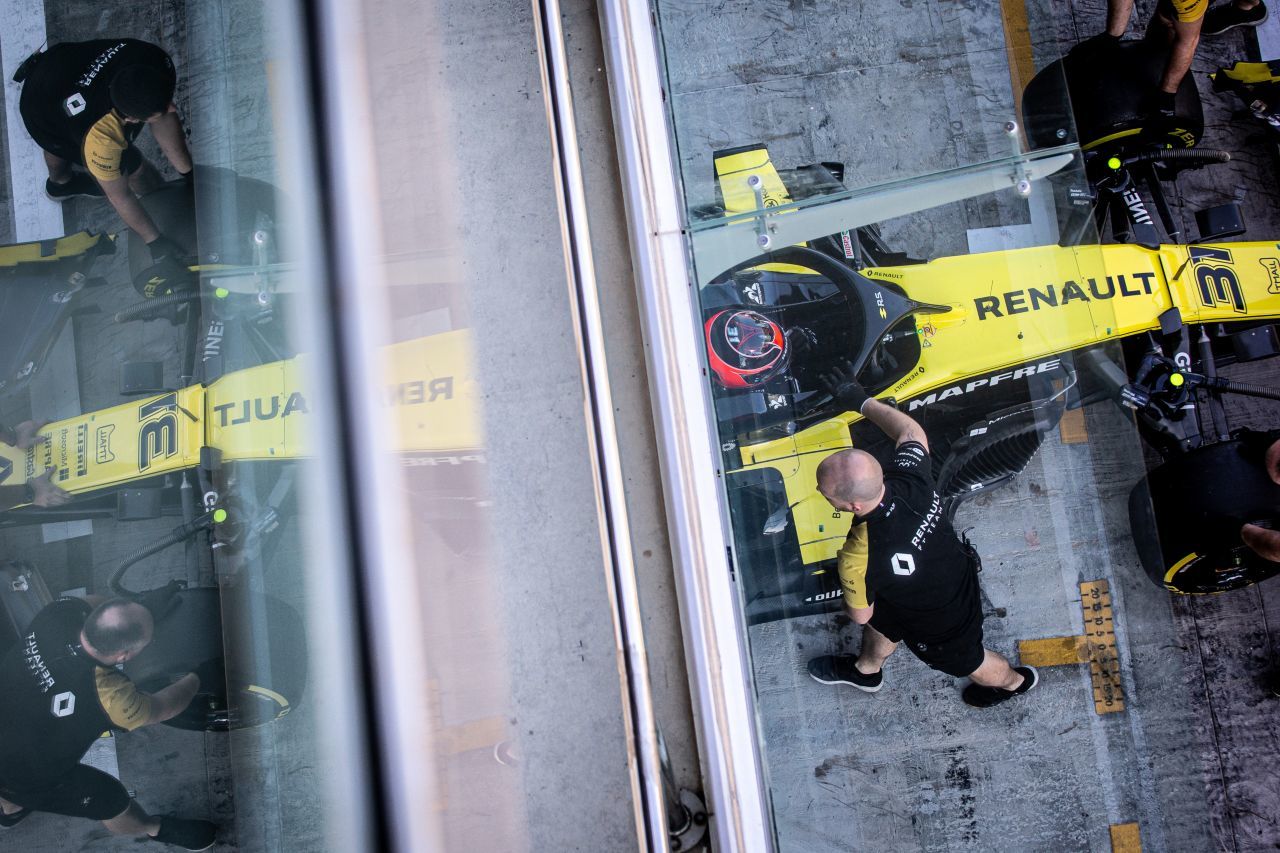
(746, 348)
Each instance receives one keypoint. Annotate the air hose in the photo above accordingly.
(153, 306)
(1180, 155)
(179, 534)
(1246, 389)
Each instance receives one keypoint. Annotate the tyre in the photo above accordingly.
(1104, 95)
(1186, 518)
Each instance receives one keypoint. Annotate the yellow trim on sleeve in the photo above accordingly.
(127, 706)
(104, 147)
(852, 563)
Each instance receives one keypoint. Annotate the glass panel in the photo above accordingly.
(861, 206)
(193, 430)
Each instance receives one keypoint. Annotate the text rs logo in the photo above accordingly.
(158, 435)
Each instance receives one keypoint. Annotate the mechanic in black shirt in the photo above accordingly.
(84, 103)
(905, 573)
(59, 691)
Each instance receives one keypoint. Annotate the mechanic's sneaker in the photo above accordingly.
(1229, 16)
(840, 669)
(80, 186)
(13, 818)
(187, 834)
(984, 697)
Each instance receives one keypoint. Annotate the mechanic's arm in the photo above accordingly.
(174, 699)
(1186, 37)
(897, 425)
(130, 209)
(1118, 14)
(167, 129)
(861, 615)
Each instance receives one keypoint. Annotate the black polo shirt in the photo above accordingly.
(918, 576)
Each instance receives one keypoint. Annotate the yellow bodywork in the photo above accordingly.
(254, 414)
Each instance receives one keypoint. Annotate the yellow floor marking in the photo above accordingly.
(1053, 651)
(1125, 838)
(1104, 664)
(1017, 41)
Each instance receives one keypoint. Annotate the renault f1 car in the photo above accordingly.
(987, 351)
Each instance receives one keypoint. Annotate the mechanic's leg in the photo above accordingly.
(59, 169)
(134, 820)
(876, 648)
(996, 672)
(145, 178)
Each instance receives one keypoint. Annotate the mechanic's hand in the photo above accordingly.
(163, 249)
(45, 493)
(27, 434)
(1161, 104)
(843, 386)
(1097, 46)
(212, 674)
(161, 600)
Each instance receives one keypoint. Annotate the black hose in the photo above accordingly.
(1243, 388)
(156, 305)
(178, 534)
(1180, 155)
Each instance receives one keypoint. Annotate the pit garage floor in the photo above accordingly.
(898, 89)
(1191, 760)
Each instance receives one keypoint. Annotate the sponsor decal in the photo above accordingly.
(213, 341)
(158, 435)
(846, 243)
(903, 564)
(880, 304)
(439, 461)
(420, 391)
(261, 409)
(984, 382)
(35, 664)
(1217, 282)
(1060, 295)
(823, 596)
(103, 452)
(1137, 209)
(754, 293)
(95, 67)
(63, 705)
(1272, 266)
(82, 450)
(74, 105)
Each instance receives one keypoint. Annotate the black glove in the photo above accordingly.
(163, 249)
(213, 676)
(160, 601)
(1097, 46)
(844, 388)
(1161, 104)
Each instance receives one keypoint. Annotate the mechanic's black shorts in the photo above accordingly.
(84, 792)
(957, 656)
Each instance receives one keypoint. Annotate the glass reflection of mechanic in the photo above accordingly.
(38, 491)
(1183, 21)
(59, 691)
(905, 573)
(84, 103)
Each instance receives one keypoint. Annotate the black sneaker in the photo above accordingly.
(80, 186)
(14, 818)
(984, 697)
(1229, 16)
(187, 834)
(839, 669)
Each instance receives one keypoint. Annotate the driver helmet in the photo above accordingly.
(746, 348)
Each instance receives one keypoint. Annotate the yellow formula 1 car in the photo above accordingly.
(987, 351)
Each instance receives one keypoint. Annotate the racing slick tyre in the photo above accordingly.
(1106, 94)
(1186, 518)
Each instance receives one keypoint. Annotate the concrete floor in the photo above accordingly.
(896, 90)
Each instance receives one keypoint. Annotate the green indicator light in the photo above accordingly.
(222, 293)
(219, 516)
(1114, 163)
(1176, 380)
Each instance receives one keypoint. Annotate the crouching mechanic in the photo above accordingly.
(84, 103)
(906, 575)
(59, 691)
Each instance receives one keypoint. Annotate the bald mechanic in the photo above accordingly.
(84, 103)
(905, 573)
(1184, 21)
(59, 691)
